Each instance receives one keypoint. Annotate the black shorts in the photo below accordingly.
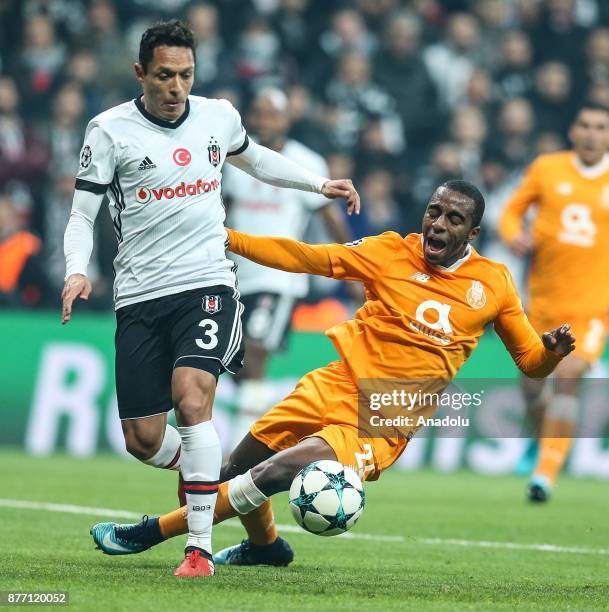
(267, 318)
(200, 329)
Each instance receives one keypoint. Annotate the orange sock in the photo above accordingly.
(223, 509)
(259, 523)
(558, 430)
(174, 523)
(553, 453)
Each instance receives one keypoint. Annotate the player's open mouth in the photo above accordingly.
(434, 246)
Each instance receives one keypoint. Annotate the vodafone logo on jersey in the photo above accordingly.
(182, 157)
(145, 194)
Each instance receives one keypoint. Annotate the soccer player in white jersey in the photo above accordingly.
(269, 295)
(159, 160)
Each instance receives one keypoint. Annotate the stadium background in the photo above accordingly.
(399, 95)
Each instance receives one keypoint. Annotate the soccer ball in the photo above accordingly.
(326, 498)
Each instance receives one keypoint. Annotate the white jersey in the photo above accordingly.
(163, 181)
(263, 210)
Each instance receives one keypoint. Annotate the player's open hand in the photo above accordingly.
(521, 245)
(76, 285)
(343, 188)
(560, 340)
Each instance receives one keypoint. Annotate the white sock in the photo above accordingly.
(168, 456)
(201, 462)
(243, 495)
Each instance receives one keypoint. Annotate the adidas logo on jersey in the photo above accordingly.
(146, 164)
(420, 276)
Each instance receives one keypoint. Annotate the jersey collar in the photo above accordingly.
(172, 125)
(592, 172)
(458, 263)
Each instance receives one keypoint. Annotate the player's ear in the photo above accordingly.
(139, 72)
(473, 233)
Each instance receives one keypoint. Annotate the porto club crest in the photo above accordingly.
(213, 152)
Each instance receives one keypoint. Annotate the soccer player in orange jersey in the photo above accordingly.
(570, 258)
(429, 298)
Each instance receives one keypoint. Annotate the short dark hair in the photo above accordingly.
(591, 105)
(473, 193)
(172, 33)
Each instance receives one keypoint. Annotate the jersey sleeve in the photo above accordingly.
(97, 161)
(238, 140)
(363, 260)
(527, 193)
(519, 337)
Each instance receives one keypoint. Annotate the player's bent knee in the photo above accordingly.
(142, 448)
(142, 438)
(191, 410)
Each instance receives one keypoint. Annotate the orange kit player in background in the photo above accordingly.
(429, 298)
(567, 277)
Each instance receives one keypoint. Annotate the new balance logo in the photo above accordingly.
(420, 277)
(146, 164)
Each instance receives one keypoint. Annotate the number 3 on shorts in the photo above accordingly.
(211, 338)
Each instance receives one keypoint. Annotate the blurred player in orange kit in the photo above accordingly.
(569, 264)
(429, 299)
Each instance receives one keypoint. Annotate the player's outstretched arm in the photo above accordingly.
(281, 253)
(362, 260)
(77, 246)
(275, 169)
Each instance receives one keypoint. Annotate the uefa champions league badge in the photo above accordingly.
(85, 157)
(213, 152)
(212, 304)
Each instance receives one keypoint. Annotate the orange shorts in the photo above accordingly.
(324, 404)
(590, 332)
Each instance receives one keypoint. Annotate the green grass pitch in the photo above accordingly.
(43, 550)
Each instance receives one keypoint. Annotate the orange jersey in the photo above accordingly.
(571, 253)
(419, 321)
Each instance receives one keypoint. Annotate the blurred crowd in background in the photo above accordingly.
(400, 95)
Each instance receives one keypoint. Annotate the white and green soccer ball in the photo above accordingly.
(327, 498)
